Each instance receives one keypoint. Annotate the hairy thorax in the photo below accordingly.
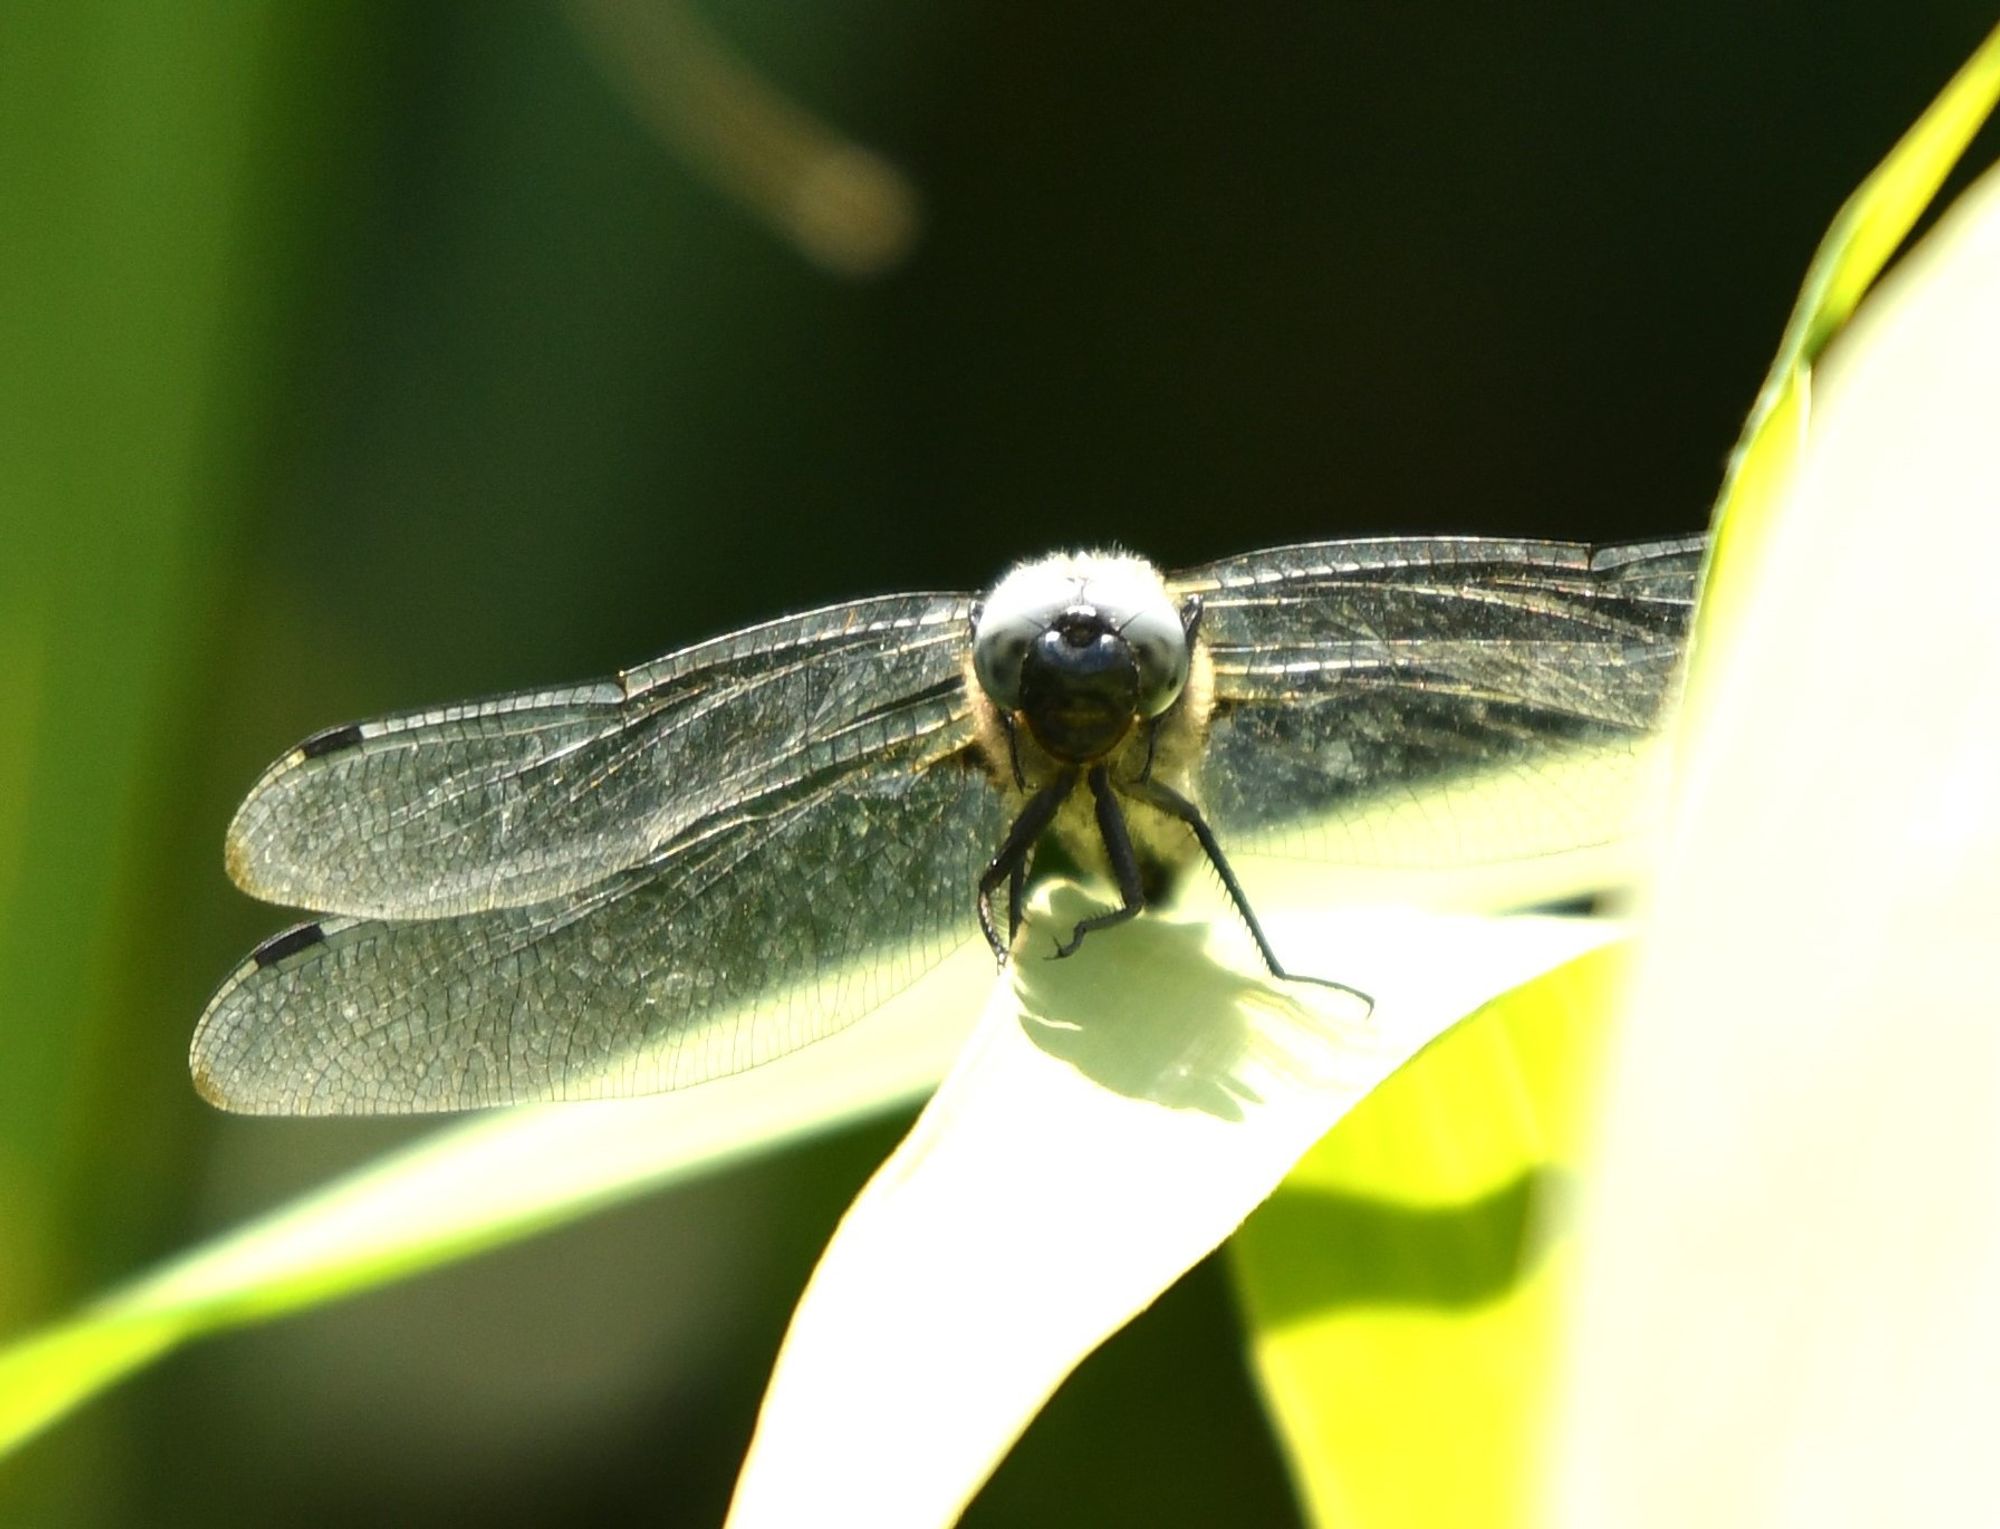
(1167, 749)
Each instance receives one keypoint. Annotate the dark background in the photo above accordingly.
(357, 357)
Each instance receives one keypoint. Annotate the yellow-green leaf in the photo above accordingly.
(1869, 227)
(1785, 1300)
(489, 1180)
(1395, 1411)
(1402, 1285)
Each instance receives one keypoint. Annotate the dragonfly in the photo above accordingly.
(718, 857)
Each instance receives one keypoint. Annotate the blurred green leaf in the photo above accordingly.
(1400, 1288)
(1867, 230)
(123, 407)
(494, 1178)
(1803, 1283)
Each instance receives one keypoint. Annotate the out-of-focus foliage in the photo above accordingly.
(1410, 1347)
(1872, 224)
(1788, 1245)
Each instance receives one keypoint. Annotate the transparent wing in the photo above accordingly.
(1438, 702)
(753, 932)
(513, 801)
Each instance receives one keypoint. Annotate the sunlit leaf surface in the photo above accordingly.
(1113, 1120)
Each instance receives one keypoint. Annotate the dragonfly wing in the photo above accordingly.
(1437, 703)
(750, 934)
(513, 801)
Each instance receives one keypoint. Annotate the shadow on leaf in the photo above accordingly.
(1392, 1254)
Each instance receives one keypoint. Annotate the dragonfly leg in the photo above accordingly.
(1009, 727)
(1171, 802)
(1009, 863)
(1124, 863)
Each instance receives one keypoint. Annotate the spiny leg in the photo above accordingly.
(1175, 805)
(1124, 863)
(1009, 862)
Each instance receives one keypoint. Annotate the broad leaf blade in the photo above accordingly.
(1423, 1364)
(1114, 1119)
(1785, 1309)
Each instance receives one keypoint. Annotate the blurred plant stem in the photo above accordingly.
(843, 206)
(145, 286)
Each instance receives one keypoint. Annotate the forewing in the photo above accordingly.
(523, 798)
(751, 934)
(1440, 702)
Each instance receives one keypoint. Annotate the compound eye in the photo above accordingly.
(1160, 643)
(999, 648)
(1020, 608)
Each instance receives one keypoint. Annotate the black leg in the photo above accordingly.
(1017, 888)
(1175, 805)
(1124, 864)
(1011, 859)
(1007, 726)
(1152, 741)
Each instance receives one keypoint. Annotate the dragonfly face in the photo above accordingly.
(1081, 667)
(1097, 633)
(641, 883)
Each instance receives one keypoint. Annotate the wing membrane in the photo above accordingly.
(751, 934)
(1370, 695)
(523, 798)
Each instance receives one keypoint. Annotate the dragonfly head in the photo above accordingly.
(1081, 649)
